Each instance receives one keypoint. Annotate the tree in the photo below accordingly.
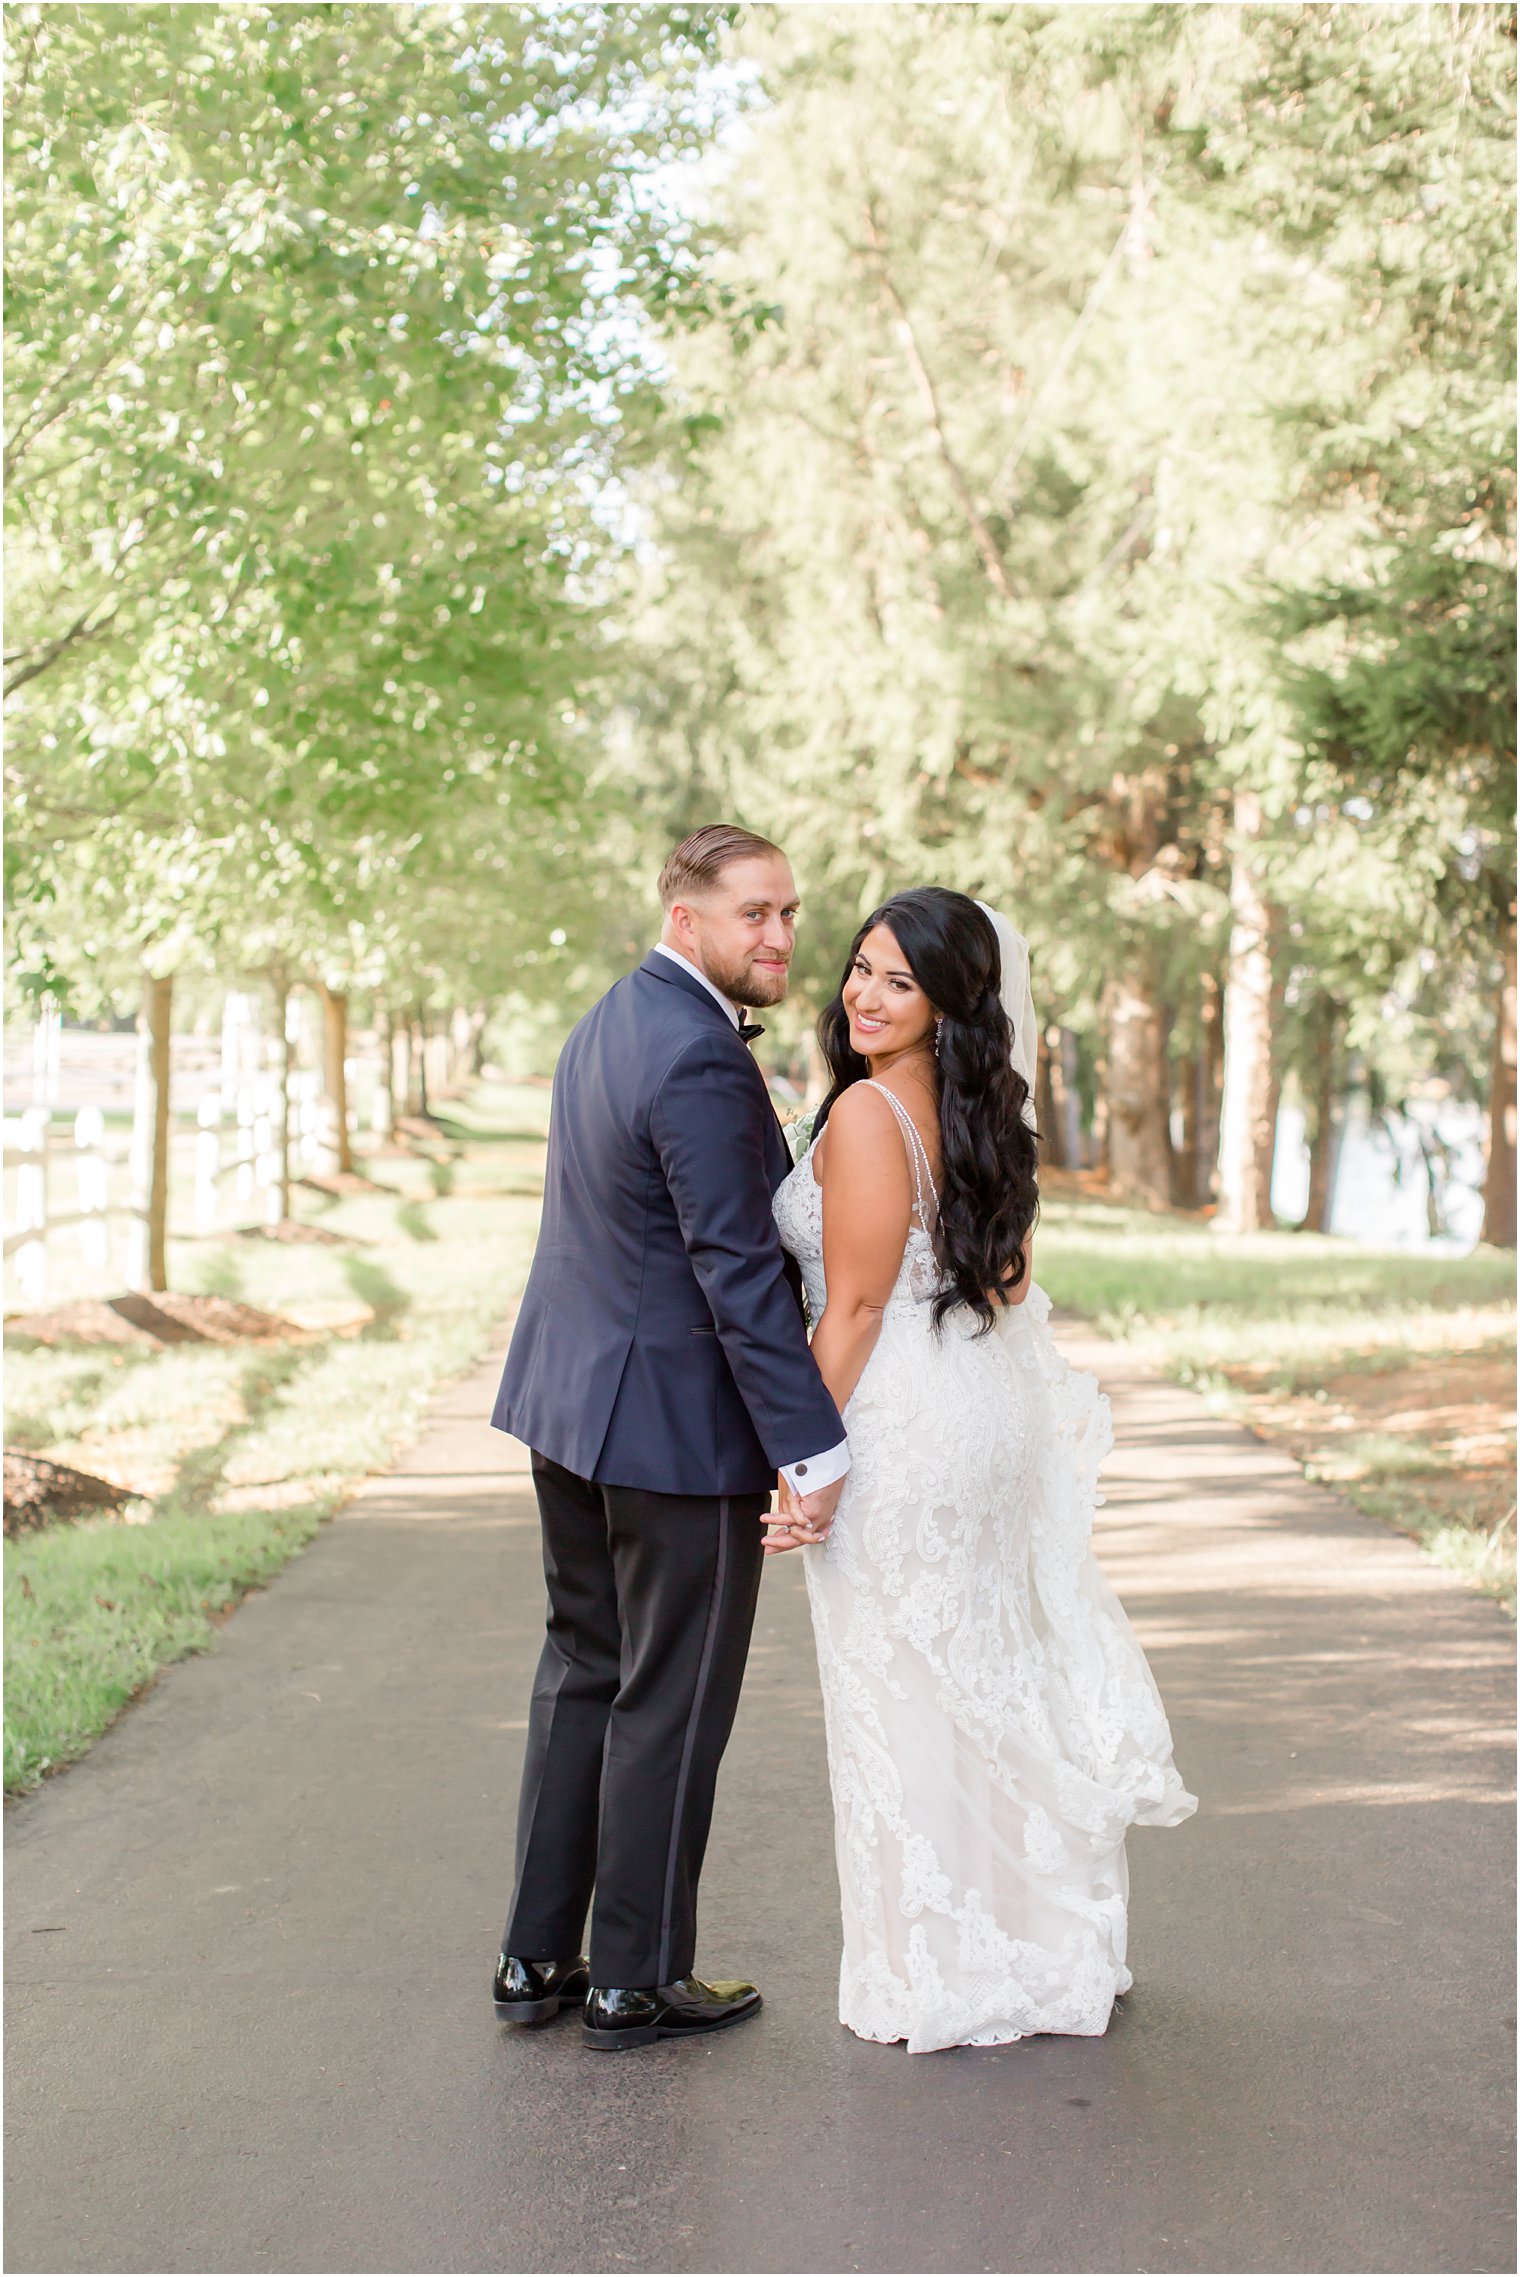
(315, 367)
(148, 1267)
(1248, 1133)
(1018, 417)
(1377, 149)
(318, 357)
(929, 604)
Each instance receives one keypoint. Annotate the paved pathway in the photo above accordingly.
(248, 1940)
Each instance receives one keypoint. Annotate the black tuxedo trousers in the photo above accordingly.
(651, 1603)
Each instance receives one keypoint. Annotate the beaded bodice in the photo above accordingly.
(799, 1217)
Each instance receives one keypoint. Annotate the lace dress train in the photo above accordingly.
(993, 1728)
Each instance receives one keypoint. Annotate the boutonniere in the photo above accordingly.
(799, 1134)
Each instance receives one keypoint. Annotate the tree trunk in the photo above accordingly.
(1499, 1175)
(335, 1077)
(1097, 1129)
(1210, 1091)
(1068, 1090)
(408, 1088)
(1139, 1144)
(383, 1112)
(1248, 1113)
(1185, 1164)
(1167, 1079)
(464, 1042)
(420, 1063)
(1437, 1165)
(150, 1138)
(281, 988)
(1047, 1112)
(1326, 1125)
(435, 1049)
(818, 1076)
(478, 1019)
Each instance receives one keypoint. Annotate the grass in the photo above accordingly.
(1388, 1373)
(247, 1450)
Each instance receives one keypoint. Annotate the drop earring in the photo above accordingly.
(938, 1024)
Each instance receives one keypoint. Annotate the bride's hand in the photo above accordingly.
(788, 1530)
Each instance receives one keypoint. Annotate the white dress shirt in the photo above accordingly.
(664, 949)
(817, 1471)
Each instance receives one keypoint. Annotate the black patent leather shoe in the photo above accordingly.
(617, 2017)
(532, 1992)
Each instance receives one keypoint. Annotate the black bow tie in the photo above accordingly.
(748, 1030)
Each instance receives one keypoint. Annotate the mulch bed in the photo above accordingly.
(294, 1229)
(413, 1131)
(1457, 1406)
(39, 1493)
(1093, 1186)
(155, 1321)
(339, 1183)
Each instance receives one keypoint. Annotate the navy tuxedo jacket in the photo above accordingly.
(660, 1343)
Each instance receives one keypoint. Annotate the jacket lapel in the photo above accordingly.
(666, 968)
(778, 1153)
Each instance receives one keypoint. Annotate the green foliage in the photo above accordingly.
(320, 354)
(1138, 386)
(1055, 419)
(1382, 154)
(954, 575)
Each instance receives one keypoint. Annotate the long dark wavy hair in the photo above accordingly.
(988, 1198)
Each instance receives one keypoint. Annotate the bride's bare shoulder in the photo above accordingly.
(861, 1132)
(862, 1112)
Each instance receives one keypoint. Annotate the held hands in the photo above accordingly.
(801, 1520)
(783, 1531)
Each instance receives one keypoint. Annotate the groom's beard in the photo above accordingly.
(747, 983)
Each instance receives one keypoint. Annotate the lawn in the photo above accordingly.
(245, 1451)
(1388, 1373)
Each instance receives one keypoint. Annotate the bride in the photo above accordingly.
(993, 1729)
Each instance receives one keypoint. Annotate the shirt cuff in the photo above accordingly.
(817, 1471)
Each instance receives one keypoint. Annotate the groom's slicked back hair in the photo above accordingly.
(695, 866)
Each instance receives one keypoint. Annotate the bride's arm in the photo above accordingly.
(867, 1204)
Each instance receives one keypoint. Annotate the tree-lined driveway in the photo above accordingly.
(249, 1939)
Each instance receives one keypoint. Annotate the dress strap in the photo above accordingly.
(918, 1155)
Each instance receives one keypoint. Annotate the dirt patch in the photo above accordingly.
(1442, 1429)
(293, 1229)
(39, 1493)
(92, 1321)
(1451, 1398)
(163, 1319)
(332, 1316)
(338, 1183)
(1093, 1186)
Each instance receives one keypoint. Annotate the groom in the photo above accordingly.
(660, 1373)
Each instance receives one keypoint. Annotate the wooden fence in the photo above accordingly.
(66, 1165)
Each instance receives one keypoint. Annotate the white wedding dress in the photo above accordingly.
(993, 1729)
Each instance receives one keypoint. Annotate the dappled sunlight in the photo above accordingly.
(1311, 1662)
(414, 1222)
(1388, 1375)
